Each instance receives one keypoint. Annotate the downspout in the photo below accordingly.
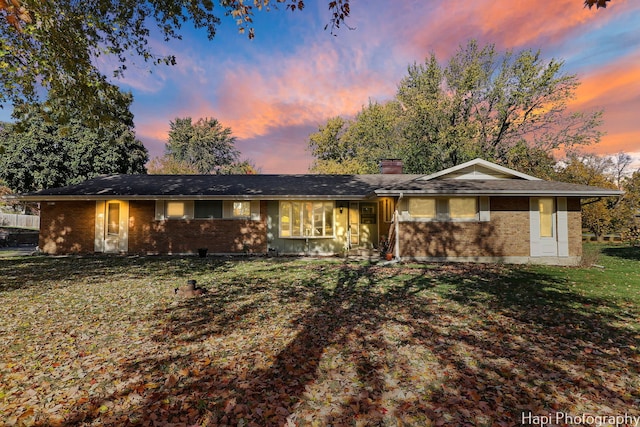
(396, 221)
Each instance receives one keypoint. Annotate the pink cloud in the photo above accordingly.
(296, 90)
(615, 89)
(507, 23)
(275, 99)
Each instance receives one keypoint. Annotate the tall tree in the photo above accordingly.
(203, 147)
(356, 146)
(510, 108)
(630, 230)
(600, 216)
(490, 104)
(48, 147)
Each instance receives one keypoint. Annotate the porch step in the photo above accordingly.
(364, 252)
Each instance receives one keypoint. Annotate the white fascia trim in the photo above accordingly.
(480, 162)
(583, 194)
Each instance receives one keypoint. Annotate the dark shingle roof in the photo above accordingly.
(504, 187)
(301, 186)
(209, 186)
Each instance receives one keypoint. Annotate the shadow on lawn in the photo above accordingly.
(45, 272)
(626, 252)
(499, 341)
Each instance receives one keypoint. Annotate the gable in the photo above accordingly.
(478, 169)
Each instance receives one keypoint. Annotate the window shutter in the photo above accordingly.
(563, 226)
(159, 210)
(188, 209)
(484, 209)
(255, 210)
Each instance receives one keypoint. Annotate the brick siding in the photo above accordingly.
(507, 234)
(574, 218)
(148, 235)
(67, 227)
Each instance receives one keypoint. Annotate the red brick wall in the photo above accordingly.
(67, 227)
(147, 235)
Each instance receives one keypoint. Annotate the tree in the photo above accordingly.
(620, 163)
(55, 44)
(43, 151)
(631, 202)
(601, 215)
(510, 108)
(344, 147)
(489, 104)
(203, 147)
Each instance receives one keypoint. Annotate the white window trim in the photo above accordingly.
(303, 237)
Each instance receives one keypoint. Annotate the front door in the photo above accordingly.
(111, 226)
(354, 224)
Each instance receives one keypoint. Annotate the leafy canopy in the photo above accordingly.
(203, 147)
(49, 147)
(510, 108)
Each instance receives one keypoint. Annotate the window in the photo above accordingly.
(175, 210)
(422, 207)
(241, 209)
(306, 219)
(463, 208)
(207, 209)
(204, 209)
(547, 209)
(113, 215)
(444, 209)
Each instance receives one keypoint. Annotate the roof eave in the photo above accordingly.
(396, 193)
(60, 198)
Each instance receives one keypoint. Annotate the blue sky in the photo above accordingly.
(275, 90)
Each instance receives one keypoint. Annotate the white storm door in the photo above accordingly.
(543, 227)
(354, 224)
(112, 227)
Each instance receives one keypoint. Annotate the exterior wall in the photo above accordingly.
(574, 219)
(505, 237)
(67, 227)
(506, 234)
(177, 236)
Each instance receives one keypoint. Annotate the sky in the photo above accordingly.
(277, 89)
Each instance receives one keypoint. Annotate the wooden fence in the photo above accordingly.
(20, 221)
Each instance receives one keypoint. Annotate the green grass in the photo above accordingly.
(104, 341)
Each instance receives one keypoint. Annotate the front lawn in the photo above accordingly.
(104, 341)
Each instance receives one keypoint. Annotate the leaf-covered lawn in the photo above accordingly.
(104, 341)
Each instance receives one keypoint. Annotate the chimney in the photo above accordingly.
(391, 166)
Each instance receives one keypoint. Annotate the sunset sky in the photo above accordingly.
(275, 90)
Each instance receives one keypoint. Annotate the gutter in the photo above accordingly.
(577, 193)
(56, 198)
